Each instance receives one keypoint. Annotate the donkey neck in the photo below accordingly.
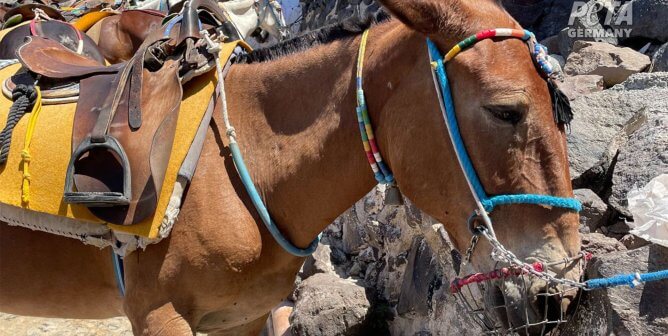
(297, 126)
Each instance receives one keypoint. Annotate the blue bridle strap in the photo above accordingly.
(488, 202)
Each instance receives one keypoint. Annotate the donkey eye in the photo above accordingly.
(508, 114)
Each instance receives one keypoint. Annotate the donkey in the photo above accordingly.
(257, 18)
(220, 271)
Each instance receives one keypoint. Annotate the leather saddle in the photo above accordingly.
(125, 120)
(26, 12)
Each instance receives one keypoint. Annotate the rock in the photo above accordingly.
(598, 244)
(594, 211)
(543, 17)
(355, 270)
(620, 228)
(575, 86)
(615, 64)
(423, 277)
(660, 60)
(328, 305)
(642, 158)
(605, 120)
(552, 44)
(319, 262)
(624, 310)
(368, 255)
(645, 19)
(633, 242)
(585, 25)
(353, 236)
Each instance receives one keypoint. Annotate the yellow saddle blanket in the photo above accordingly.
(51, 147)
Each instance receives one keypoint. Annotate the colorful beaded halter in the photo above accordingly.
(484, 202)
(380, 170)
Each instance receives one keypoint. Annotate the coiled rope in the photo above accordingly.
(24, 98)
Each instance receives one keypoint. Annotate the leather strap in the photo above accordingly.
(134, 112)
(110, 105)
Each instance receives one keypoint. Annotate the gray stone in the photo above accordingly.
(605, 120)
(328, 305)
(615, 64)
(647, 19)
(660, 60)
(623, 310)
(319, 262)
(368, 255)
(552, 44)
(619, 227)
(423, 277)
(633, 242)
(642, 158)
(598, 244)
(353, 235)
(594, 212)
(543, 17)
(575, 86)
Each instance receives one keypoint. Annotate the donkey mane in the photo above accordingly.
(345, 29)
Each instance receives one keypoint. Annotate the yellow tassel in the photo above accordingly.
(25, 153)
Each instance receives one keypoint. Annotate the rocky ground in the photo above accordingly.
(385, 270)
(12, 325)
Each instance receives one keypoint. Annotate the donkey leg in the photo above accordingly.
(161, 321)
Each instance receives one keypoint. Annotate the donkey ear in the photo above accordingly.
(424, 16)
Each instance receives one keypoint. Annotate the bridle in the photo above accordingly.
(485, 203)
(480, 223)
(268, 6)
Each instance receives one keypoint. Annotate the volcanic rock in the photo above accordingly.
(645, 19)
(575, 86)
(615, 64)
(328, 305)
(605, 120)
(594, 211)
(660, 59)
(623, 310)
(642, 158)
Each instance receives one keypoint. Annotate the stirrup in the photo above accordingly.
(92, 198)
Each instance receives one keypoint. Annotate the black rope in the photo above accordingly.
(24, 97)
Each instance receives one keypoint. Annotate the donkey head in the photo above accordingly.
(504, 110)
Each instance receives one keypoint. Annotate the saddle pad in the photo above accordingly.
(51, 147)
(89, 19)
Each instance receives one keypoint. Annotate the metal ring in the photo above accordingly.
(476, 227)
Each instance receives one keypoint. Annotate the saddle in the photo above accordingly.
(125, 120)
(26, 12)
(54, 88)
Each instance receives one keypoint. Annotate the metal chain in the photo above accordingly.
(500, 253)
(469, 251)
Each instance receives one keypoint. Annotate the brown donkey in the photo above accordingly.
(221, 272)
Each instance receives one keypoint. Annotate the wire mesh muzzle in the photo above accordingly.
(486, 298)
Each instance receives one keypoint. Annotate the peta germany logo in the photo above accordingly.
(595, 19)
